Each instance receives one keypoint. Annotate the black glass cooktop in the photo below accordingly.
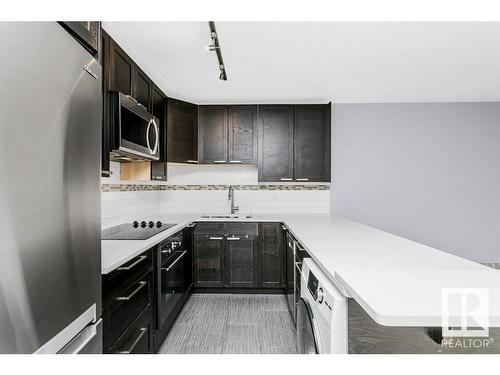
(134, 231)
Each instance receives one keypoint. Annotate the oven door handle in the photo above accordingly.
(175, 261)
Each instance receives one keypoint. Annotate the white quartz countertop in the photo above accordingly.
(397, 281)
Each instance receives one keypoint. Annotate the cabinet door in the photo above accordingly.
(270, 255)
(159, 110)
(209, 260)
(242, 134)
(312, 143)
(142, 88)
(120, 69)
(276, 143)
(182, 125)
(241, 261)
(212, 133)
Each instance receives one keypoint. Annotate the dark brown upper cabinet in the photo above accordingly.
(159, 110)
(228, 134)
(312, 143)
(275, 143)
(242, 134)
(182, 136)
(142, 90)
(123, 75)
(294, 143)
(119, 68)
(212, 134)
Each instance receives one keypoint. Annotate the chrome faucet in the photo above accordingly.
(230, 196)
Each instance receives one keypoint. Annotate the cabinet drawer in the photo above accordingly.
(242, 228)
(125, 274)
(209, 228)
(137, 338)
(125, 305)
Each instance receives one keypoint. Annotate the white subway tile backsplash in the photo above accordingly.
(118, 207)
(123, 206)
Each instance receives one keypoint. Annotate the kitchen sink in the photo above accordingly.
(226, 216)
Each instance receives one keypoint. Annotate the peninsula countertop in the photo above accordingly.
(397, 281)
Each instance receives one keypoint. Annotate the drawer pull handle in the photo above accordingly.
(136, 341)
(235, 161)
(192, 161)
(216, 238)
(285, 179)
(142, 284)
(233, 238)
(175, 261)
(219, 161)
(129, 267)
(301, 179)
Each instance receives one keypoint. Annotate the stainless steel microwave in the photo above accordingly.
(136, 133)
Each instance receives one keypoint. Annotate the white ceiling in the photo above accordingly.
(274, 62)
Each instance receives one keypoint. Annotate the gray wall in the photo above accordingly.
(429, 172)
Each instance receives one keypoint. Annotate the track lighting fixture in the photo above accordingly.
(215, 47)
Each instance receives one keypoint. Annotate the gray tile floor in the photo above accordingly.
(232, 324)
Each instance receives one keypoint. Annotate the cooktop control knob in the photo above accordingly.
(158, 224)
(143, 224)
(321, 296)
(135, 224)
(151, 224)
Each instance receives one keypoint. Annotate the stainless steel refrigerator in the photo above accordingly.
(50, 137)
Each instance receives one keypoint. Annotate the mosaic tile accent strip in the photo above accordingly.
(145, 187)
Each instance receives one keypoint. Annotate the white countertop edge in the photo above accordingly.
(144, 246)
(336, 278)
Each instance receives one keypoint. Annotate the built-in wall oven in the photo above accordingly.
(175, 275)
(135, 132)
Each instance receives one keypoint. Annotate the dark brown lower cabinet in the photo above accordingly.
(270, 260)
(209, 260)
(128, 307)
(241, 260)
(238, 255)
(138, 338)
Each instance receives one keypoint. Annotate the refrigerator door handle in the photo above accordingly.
(80, 341)
(63, 338)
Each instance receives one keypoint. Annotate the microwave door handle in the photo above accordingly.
(147, 136)
(157, 143)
